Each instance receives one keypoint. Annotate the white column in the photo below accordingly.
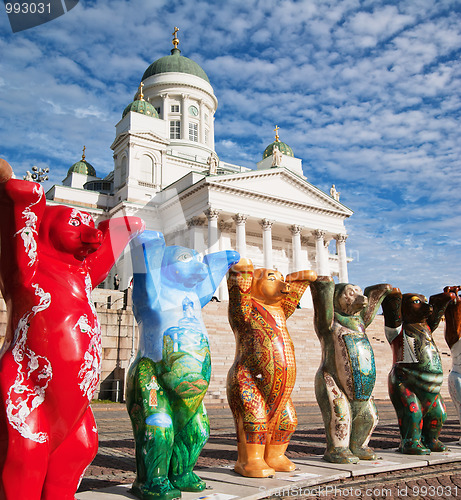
(196, 239)
(296, 244)
(342, 257)
(306, 300)
(241, 244)
(213, 239)
(184, 117)
(202, 113)
(165, 110)
(321, 251)
(267, 242)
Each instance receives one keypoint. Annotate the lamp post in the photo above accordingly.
(37, 174)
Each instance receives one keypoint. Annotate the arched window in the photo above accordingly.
(146, 169)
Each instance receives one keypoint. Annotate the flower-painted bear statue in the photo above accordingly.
(452, 337)
(261, 380)
(416, 376)
(51, 259)
(171, 373)
(346, 377)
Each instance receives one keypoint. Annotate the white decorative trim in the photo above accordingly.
(29, 230)
(84, 217)
(22, 399)
(90, 369)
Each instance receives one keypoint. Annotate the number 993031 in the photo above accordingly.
(28, 8)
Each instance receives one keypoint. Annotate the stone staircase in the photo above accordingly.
(308, 353)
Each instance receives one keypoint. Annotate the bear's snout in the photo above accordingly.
(91, 236)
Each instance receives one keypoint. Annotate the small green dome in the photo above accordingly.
(175, 63)
(283, 148)
(142, 107)
(82, 167)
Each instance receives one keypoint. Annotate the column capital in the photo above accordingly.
(224, 226)
(295, 229)
(305, 240)
(266, 224)
(196, 221)
(212, 213)
(341, 238)
(319, 234)
(240, 219)
(165, 95)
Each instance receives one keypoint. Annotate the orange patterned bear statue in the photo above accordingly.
(260, 381)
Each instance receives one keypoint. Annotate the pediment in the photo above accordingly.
(280, 184)
(147, 136)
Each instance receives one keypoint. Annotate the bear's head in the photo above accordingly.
(269, 287)
(415, 308)
(183, 266)
(65, 231)
(349, 299)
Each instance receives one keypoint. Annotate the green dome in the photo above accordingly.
(82, 167)
(175, 63)
(142, 107)
(284, 148)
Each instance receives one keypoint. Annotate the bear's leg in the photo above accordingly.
(336, 415)
(188, 444)
(364, 421)
(150, 414)
(24, 464)
(70, 459)
(280, 437)
(249, 410)
(409, 414)
(454, 388)
(433, 420)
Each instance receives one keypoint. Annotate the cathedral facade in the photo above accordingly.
(167, 172)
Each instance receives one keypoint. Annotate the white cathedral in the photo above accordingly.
(167, 172)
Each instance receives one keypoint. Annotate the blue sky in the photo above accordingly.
(367, 93)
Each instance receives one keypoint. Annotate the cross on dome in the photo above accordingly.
(175, 39)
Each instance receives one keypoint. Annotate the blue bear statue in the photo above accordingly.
(170, 375)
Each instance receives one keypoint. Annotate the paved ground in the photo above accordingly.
(115, 462)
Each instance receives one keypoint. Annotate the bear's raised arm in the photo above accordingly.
(218, 264)
(323, 290)
(375, 294)
(239, 285)
(116, 234)
(453, 316)
(299, 281)
(22, 204)
(439, 303)
(147, 252)
(392, 310)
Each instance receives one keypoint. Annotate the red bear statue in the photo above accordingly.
(51, 259)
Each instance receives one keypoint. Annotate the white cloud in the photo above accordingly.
(367, 93)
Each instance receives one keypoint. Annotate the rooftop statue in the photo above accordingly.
(170, 375)
(51, 259)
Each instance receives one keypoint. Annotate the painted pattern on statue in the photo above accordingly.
(263, 375)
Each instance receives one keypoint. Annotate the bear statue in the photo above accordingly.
(170, 375)
(346, 377)
(261, 380)
(416, 375)
(51, 259)
(452, 337)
